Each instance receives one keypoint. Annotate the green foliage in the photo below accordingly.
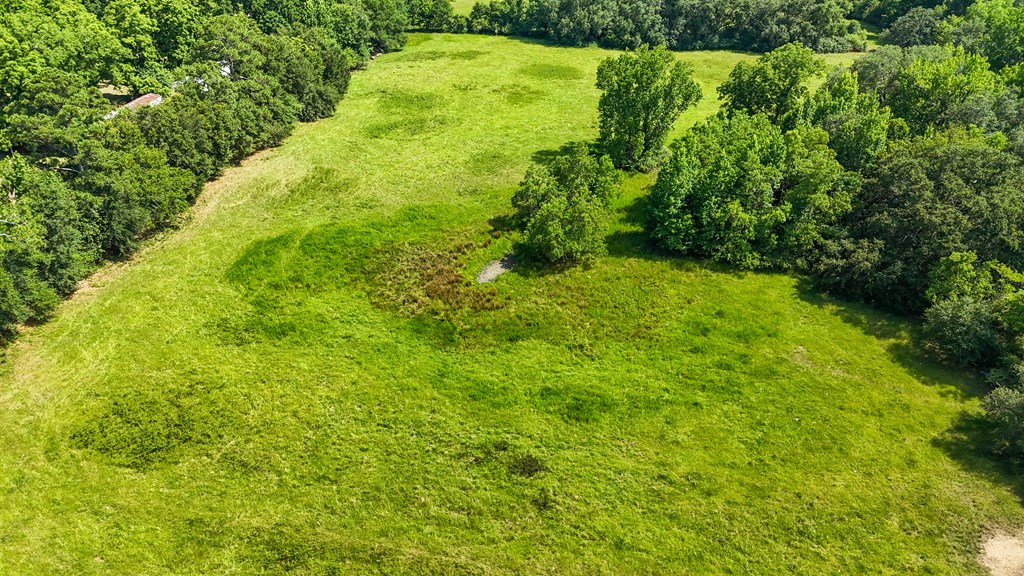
(135, 30)
(361, 27)
(760, 25)
(931, 93)
(1001, 26)
(953, 191)
(434, 15)
(563, 206)
(61, 35)
(737, 190)
(934, 87)
(136, 190)
(918, 27)
(858, 126)
(45, 244)
(1004, 406)
(884, 13)
(964, 331)
(774, 85)
(642, 94)
(976, 314)
(567, 229)
(958, 276)
(880, 71)
(816, 193)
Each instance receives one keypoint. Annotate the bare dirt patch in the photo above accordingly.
(1003, 555)
(491, 272)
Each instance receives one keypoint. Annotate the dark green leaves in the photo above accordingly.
(563, 206)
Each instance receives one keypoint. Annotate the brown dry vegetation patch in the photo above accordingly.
(418, 280)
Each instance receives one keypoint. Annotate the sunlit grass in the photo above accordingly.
(298, 382)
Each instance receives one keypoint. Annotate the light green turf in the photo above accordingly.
(463, 7)
(646, 415)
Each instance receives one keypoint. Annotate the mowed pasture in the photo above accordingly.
(304, 379)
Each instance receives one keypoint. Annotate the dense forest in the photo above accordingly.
(993, 27)
(679, 24)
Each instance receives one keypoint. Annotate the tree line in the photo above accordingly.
(756, 25)
(80, 185)
(899, 182)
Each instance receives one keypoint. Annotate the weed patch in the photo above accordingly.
(526, 465)
(545, 71)
(512, 459)
(417, 280)
(139, 429)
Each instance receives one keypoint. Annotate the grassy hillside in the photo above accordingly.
(463, 7)
(301, 381)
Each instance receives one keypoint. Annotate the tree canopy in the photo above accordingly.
(642, 94)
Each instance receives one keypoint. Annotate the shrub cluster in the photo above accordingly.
(562, 207)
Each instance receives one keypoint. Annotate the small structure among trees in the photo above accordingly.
(140, 102)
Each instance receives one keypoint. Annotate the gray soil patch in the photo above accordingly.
(1003, 555)
(491, 272)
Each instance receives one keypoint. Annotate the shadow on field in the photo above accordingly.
(969, 442)
(906, 346)
(545, 157)
(634, 242)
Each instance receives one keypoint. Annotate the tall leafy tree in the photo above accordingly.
(642, 94)
(774, 85)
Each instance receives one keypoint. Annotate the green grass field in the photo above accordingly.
(299, 381)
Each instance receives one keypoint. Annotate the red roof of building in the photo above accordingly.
(145, 100)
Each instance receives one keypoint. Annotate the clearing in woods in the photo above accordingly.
(306, 379)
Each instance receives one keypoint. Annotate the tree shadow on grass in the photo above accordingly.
(502, 224)
(545, 157)
(969, 442)
(970, 439)
(906, 345)
(634, 242)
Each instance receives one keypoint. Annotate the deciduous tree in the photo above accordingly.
(642, 94)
